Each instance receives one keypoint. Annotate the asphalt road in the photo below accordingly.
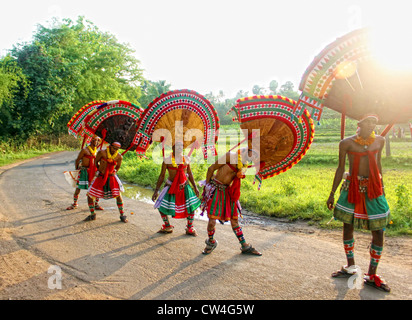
(107, 259)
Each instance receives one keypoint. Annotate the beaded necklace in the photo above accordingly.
(174, 160)
(365, 142)
(92, 150)
(240, 166)
(239, 161)
(111, 157)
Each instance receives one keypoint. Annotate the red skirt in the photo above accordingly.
(110, 189)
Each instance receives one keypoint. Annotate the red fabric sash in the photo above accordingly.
(228, 204)
(234, 188)
(179, 179)
(374, 184)
(91, 170)
(109, 170)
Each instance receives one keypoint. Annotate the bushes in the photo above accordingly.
(402, 211)
(12, 151)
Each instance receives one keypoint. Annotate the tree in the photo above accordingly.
(287, 90)
(151, 90)
(258, 90)
(105, 68)
(68, 65)
(241, 94)
(273, 87)
(11, 79)
(10, 75)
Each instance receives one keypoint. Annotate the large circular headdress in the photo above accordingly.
(348, 77)
(75, 125)
(183, 115)
(283, 138)
(113, 121)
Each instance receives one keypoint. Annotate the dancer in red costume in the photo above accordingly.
(106, 183)
(85, 163)
(362, 202)
(221, 198)
(177, 199)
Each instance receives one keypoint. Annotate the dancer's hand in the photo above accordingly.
(197, 192)
(155, 195)
(330, 202)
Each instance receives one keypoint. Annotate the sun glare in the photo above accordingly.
(345, 69)
(391, 44)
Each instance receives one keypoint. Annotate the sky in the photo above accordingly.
(213, 45)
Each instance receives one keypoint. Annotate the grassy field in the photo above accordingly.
(301, 192)
(11, 152)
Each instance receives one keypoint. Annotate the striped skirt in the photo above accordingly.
(166, 203)
(109, 190)
(217, 202)
(368, 214)
(83, 179)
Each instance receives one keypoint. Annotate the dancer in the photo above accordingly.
(107, 184)
(85, 162)
(362, 202)
(177, 198)
(221, 198)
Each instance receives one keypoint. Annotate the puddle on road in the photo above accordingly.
(136, 192)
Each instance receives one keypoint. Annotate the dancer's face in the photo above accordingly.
(178, 149)
(95, 141)
(367, 126)
(113, 149)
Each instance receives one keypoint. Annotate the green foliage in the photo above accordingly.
(143, 172)
(402, 213)
(66, 66)
(151, 90)
(12, 81)
(402, 194)
(12, 151)
(10, 77)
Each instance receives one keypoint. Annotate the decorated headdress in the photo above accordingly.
(180, 115)
(113, 121)
(75, 125)
(348, 77)
(283, 138)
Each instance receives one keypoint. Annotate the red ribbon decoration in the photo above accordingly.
(374, 184)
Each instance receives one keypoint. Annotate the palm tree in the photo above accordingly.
(151, 90)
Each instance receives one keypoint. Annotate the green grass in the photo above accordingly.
(13, 151)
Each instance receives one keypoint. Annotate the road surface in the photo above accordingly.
(50, 253)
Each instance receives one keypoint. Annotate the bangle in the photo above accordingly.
(332, 192)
